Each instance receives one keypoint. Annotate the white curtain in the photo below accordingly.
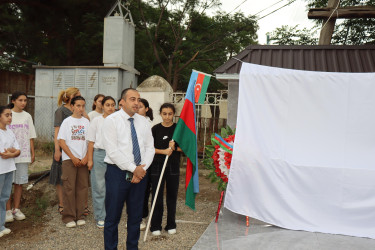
(304, 153)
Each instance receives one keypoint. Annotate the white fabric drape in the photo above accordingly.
(304, 153)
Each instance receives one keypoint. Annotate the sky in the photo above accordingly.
(291, 15)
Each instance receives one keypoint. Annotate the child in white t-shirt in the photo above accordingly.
(23, 127)
(96, 164)
(9, 149)
(72, 139)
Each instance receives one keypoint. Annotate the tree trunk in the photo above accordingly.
(175, 81)
(176, 74)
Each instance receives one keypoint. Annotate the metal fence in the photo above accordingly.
(45, 108)
(211, 116)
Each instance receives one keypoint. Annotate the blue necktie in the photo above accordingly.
(136, 151)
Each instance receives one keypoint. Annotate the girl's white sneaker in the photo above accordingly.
(71, 224)
(81, 222)
(6, 231)
(18, 215)
(156, 233)
(9, 216)
(172, 231)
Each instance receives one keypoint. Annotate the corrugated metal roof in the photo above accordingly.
(329, 58)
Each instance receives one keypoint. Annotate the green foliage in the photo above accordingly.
(48, 147)
(175, 37)
(224, 132)
(43, 147)
(209, 150)
(172, 37)
(37, 210)
(287, 35)
(52, 32)
(229, 130)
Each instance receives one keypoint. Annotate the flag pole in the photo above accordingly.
(155, 198)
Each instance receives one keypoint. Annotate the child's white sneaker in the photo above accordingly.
(100, 224)
(18, 215)
(9, 216)
(6, 231)
(172, 231)
(81, 222)
(156, 233)
(71, 224)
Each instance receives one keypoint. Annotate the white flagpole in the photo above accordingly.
(156, 196)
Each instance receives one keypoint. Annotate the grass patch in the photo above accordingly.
(43, 147)
(35, 212)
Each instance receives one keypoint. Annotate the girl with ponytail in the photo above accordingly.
(65, 110)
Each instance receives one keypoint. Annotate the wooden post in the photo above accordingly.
(328, 27)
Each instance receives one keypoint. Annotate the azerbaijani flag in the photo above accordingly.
(201, 84)
(222, 143)
(185, 136)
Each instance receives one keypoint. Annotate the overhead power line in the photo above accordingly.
(276, 10)
(237, 6)
(268, 7)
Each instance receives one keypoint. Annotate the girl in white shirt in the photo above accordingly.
(23, 127)
(97, 107)
(96, 164)
(72, 139)
(9, 149)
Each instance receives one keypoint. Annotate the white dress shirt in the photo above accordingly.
(117, 140)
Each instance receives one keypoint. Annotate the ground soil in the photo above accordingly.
(37, 202)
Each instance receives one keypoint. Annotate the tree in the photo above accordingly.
(172, 37)
(348, 31)
(293, 36)
(182, 36)
(55, 32)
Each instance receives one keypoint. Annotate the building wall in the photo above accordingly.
(90, 81)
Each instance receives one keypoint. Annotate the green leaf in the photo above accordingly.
(208, 162)
(209, 150)
(229, 130)
(224, 133)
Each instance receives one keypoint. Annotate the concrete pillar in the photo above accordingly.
(233, 86)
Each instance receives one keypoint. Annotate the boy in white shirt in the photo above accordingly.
(9, 149)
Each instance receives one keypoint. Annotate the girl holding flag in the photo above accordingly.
(164, 146)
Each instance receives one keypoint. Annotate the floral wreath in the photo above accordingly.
(218, 156)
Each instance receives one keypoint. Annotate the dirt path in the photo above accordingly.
(43, 228)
